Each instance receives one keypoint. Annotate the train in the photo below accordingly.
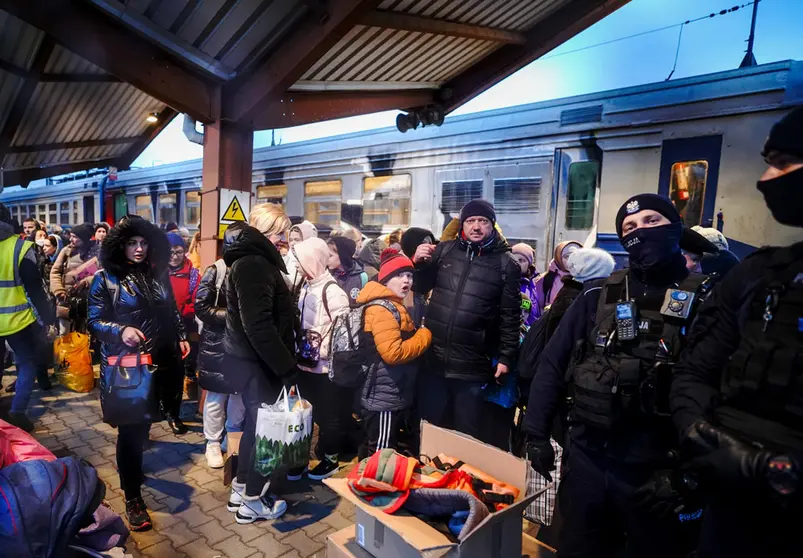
(555, 170)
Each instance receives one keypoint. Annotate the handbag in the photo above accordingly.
(129, 392)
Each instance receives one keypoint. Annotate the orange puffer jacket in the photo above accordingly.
(390, 384)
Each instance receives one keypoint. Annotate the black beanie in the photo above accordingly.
(786, 135)
(345, 250)
(413, 238)
(640, 202)
(478, 208)
(84, 232)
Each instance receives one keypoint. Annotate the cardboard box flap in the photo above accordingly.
(516, 509)
(501, 465)
(415, 532)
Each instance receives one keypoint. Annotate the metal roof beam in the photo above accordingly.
(299, 108)
(70, 145)
(326, 24)
(549, 33)
(419, 24)
(23, 177)
(24, 95)
(13, 69)
(89, 33)
(79, 78)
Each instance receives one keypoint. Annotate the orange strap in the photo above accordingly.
(130, 360)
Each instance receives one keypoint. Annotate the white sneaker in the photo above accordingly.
(214, 455)
(266, 507)
(236, 498)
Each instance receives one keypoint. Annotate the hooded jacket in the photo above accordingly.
(549, 283)
(68, 259)
(317, 295)
(390, 385)
(184, 282)
(474, 310)
(352, 280)
(210, 308)
(261, 317)
(369, 257)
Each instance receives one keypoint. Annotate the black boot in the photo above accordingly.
(175, 424)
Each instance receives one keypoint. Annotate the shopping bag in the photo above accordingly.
(283, 433)
(542, 509)
(74, 362)
(129, 392)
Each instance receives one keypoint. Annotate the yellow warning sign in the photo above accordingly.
(233, 212)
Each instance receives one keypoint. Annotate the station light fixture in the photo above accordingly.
(426, 116)
(152, 118)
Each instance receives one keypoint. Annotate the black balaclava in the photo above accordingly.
(784, 194)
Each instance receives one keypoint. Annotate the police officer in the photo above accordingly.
(737, 394)
(618, 341)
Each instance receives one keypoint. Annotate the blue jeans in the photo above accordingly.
(27, 346)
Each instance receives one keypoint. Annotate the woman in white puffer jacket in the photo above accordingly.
(320, 302)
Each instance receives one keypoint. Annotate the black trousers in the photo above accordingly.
(169, 380)
(131, 439)
(452, 403)
(331, 410)
(599, 519)
(381, 431)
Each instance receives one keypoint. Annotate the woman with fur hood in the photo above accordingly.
(131, 308)
(321, 301)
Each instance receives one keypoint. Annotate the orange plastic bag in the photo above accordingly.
(74, 362)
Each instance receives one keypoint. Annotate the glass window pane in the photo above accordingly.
(168, 211)
(517, 195)
(31, 211)
(64, 213)
(386, 200)
(276, 193)
(687, 190)
(583, 180)
(144, 208)
(322, 202)
(75, 218)
(456, 194)
(192, 208)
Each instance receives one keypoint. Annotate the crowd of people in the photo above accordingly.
(673, 385)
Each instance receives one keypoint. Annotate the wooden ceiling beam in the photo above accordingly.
(419, 24)
(295, 109)
(70, 145)
(244, 101)
(87, 32)
(548, 34)
(79, 78)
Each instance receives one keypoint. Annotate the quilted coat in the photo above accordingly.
(390, 385)
(211, 354)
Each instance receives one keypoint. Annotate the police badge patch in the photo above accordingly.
(632, 207)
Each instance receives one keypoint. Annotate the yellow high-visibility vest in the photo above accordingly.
(16, 312)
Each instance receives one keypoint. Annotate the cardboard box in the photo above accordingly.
(343, 545)
(401, 535)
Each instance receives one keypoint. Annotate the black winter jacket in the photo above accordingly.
(261, 316)
(211, 354)
(475, 309)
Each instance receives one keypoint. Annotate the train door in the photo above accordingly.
(575, 195)
(689, 176)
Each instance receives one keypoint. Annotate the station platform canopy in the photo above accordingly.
(89, 83)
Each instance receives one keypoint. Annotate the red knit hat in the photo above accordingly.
(392, 263)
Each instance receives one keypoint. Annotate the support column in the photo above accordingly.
(227, 163)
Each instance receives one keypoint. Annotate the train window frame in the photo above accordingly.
(400, 191)
(75, 212)
(477, 185)
(518, 205)
(570, 218)
(171, 205)
(192, 207)
(673, 188)
(140, 208)
(52, 213)
(277, 195)
(64, 213)
(323, 196)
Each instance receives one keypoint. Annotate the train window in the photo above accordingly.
(687, 190)
(386, 200)
(144, 207)
(517, 195)
(64, 213)
(42, 213)
(51, 213)
(455, 194)
(168, 210)
(276, 193)
(192, 208)
(582, 191)
(31, 211)
(14, 213)
(75, 218)
(322, 202)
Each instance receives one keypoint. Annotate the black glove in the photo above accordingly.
(664, 495)
(542, 457)
(722, 459)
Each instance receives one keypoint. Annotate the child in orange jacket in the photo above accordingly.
(389, 386)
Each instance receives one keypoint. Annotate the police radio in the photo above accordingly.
(626, 315)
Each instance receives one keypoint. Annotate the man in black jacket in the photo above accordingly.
(474, 314)
(737, 393)
(620, 434)
(259, 344)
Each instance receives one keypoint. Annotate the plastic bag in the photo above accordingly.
(283, 433)
(74, 362)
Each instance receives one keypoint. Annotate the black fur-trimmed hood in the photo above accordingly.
(112, 251)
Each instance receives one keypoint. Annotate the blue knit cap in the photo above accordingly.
(175, 240)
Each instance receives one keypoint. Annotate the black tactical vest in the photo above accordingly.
(614, 381)
(762, 386)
